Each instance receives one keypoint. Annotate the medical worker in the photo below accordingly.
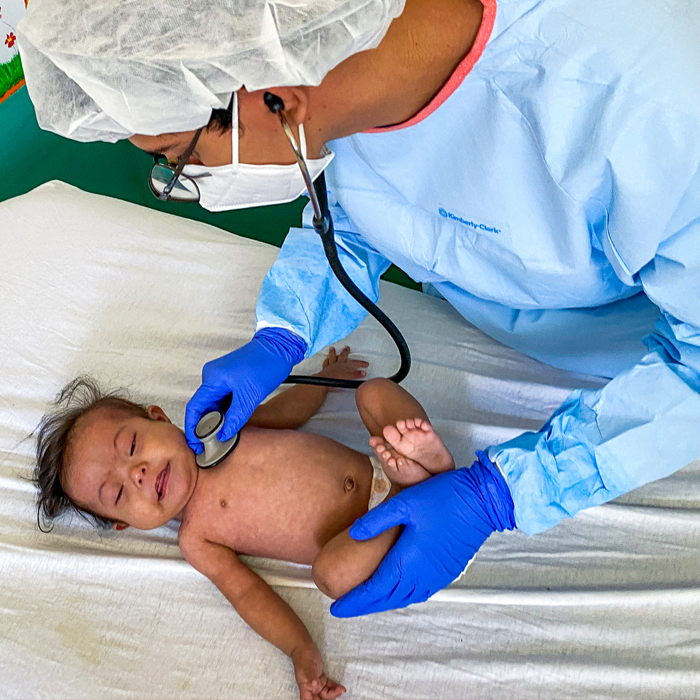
(535, 161)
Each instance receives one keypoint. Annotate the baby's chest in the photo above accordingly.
(286, 513)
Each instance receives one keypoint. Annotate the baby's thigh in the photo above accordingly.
(345, 563)
(382, 402)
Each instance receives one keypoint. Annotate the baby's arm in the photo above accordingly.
(293, 407)
(266, 613)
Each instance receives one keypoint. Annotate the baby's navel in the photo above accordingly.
(349, 484)
(223, 503)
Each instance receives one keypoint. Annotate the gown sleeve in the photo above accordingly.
(642, 426)
(301, 293)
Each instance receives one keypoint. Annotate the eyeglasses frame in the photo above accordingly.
(182, 161)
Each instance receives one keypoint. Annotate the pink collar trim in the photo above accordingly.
(457, 77)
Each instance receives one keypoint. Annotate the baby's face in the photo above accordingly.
(132, 470)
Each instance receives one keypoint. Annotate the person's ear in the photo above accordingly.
(296, 105)
(296, 102)
(157, 413)
(119, 526)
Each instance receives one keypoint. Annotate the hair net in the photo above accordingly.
(102, 70)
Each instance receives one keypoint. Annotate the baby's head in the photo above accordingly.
(107, 457)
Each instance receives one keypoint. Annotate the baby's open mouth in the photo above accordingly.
(162, 482)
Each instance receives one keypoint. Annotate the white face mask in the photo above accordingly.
(242, 185)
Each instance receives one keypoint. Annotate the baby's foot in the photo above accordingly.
(401, 471)
(416, 440)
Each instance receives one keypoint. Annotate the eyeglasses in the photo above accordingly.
(168, 183)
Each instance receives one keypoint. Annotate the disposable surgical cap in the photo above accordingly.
(103, 70)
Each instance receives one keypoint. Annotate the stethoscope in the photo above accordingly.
(210, 423)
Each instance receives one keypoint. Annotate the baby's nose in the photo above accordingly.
(137, 474)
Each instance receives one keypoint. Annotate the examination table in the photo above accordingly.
(603, 606)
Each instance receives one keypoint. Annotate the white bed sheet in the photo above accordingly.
(607, 605)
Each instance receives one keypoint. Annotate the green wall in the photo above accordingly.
(31, 156)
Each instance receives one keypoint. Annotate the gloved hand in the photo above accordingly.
(446, 519)
(248, 374)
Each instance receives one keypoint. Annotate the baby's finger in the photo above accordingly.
(308, 691)
(357, 364)
(344, 353)
(330, 357)
(316, 686)
(332, 690)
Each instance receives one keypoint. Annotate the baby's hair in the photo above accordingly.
(54, 434)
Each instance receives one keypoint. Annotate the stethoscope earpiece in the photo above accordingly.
(273, 103)
(214, 451)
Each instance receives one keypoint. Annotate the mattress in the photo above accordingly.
(605, 605)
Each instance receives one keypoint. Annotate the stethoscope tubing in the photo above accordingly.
(323, 225)
(325, 230)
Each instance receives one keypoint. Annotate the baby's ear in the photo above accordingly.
(157, 413)
(119, 526)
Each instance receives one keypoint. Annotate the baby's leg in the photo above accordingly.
(345, 563)
(478, 494)
(382, 402)
(402, 437)
(395, 420)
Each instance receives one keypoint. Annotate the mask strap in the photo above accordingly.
(234, 129)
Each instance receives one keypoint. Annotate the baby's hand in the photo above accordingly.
(312, 681)
(340, 367)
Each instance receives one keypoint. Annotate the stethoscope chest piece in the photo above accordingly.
(214, 451)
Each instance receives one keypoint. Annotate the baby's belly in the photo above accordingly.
(289, 493)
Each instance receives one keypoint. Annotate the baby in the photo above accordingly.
(281, 494)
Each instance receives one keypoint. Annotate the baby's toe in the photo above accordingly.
(380, 451)
(405, 472)
(391, 434)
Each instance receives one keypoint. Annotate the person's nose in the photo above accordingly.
(138, 474)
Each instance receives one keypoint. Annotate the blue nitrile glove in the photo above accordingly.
(446, 519)
(249, 374)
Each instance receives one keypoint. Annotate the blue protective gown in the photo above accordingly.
(554, 200)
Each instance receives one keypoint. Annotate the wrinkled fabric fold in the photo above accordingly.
(103, 70)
